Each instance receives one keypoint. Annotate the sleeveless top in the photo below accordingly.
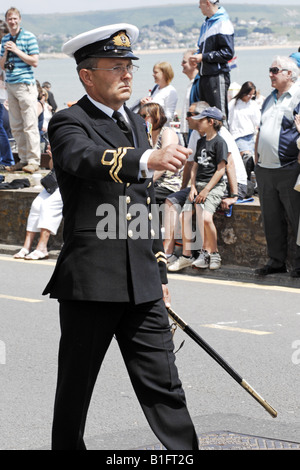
(168, 179)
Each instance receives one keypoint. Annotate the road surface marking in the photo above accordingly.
(246, 285)
(240, 330)
(21, 299)
(45, 262)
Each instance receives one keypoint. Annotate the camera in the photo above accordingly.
(9, 66)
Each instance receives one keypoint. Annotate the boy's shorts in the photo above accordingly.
(180, 196)
(213, 199)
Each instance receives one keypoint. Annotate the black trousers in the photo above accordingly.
(146, 344)
(214, 89)
(280, 203)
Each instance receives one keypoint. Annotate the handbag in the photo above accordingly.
(297, 185)
(50, 182)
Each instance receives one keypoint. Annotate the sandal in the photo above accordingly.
(30, 168)
(21, 254)
(17, 167)
(36, 255)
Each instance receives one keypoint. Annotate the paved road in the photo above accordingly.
(254, 327)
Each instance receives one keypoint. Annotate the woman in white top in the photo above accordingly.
(244, 117)
(163, 93)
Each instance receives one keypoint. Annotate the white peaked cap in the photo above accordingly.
(107, 41)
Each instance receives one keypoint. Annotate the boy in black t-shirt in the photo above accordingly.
(207, 190)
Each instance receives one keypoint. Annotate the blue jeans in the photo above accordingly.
(6, 156)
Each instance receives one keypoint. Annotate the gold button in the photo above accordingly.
(149, 184)
(150, 216)
(128, 200)
(128, 216)
(148, 200)
(152, 233)
(130, 233)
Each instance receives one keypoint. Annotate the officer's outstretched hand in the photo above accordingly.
(172, 158)
(166, 295)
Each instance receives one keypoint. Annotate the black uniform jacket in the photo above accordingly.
(112, 249)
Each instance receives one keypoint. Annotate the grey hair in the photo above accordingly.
(289, 64)
(88, 63)
(200, 106)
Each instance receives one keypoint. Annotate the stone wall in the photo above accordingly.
(241, 239)
(14, 210)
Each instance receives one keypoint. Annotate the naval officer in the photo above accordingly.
(110, 278)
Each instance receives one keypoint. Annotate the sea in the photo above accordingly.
(251, 64)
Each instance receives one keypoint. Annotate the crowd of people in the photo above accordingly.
(244, 120)
(103, 153)
(238, 125)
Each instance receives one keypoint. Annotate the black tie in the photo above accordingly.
(124, 126)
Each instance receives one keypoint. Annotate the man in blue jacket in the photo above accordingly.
(215, 49)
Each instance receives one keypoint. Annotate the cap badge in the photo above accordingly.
(121, 39)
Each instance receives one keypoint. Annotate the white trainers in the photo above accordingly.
(182, 262)
(203, 260)
(215, 260)
(171, 259)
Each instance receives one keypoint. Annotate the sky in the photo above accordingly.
(68, 6)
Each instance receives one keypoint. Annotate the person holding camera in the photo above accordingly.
(19, 54)
(6, 156)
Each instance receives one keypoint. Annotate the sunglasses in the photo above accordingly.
(189, 114)
(276, 70)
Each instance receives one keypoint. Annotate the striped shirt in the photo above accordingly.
(22, 72)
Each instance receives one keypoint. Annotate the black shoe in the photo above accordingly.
(295, 272)
(265, 270)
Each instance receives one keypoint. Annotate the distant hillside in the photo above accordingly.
(183, 15)
(171, 26)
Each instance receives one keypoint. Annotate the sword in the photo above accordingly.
(201, 342)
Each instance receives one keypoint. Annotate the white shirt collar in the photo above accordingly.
(106, 109)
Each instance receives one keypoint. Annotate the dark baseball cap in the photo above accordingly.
(211, 112)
